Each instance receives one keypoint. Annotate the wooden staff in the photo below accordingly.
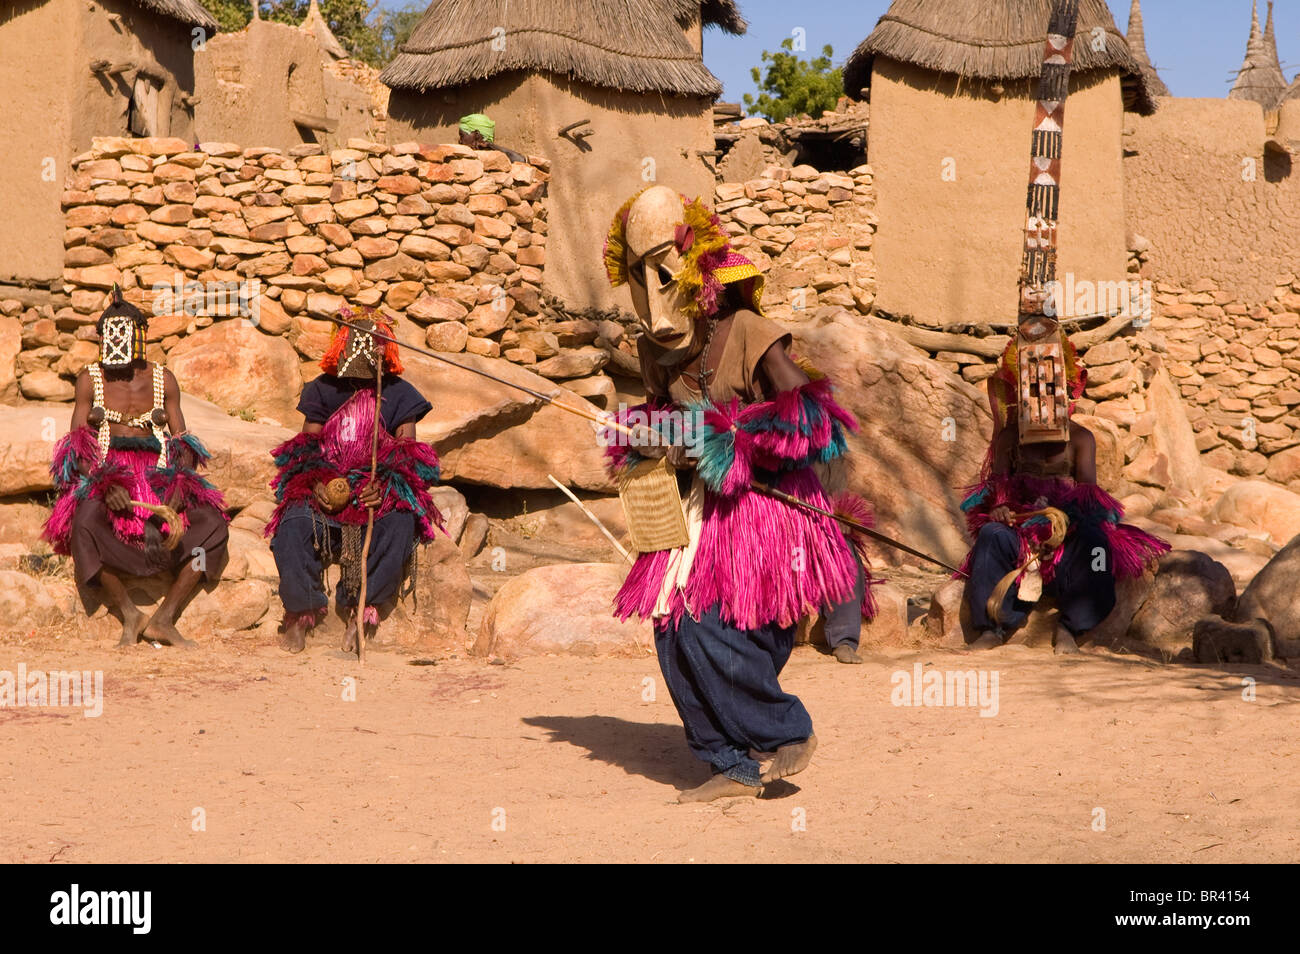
(370, 511)
(639, 432)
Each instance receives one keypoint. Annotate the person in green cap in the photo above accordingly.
(479, 132)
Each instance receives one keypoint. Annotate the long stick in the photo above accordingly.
(606, 421)
(794, 501)
(594, 519)
(370, 511)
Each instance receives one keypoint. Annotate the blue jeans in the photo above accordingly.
(297, 547)
(844, 620)
(1084, 596)
(723, 681)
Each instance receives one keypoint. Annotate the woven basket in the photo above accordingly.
(652, 504)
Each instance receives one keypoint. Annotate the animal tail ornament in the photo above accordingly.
(1132, 550)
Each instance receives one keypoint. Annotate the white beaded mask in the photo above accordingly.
(360, 356)
(117, 341)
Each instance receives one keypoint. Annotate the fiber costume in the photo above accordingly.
(304, 539)
(157, 469)
(725, 602)
(1098, 547)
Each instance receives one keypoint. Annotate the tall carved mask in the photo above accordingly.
(654, 261)
(1042, 387)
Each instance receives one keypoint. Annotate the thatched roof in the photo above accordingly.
(187, 11)
(1260, 78)
(993, 40)
(633, 45)
(1137, 44)
(315, 24)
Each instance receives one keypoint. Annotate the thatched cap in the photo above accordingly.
(187, 11)
(1260, 78)
(314, 23)
(633, 45)
(1137, 44)
(993, 40)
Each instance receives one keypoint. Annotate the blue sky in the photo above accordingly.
(1197, 45)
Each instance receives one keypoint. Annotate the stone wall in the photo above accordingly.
(450, 241)
(1236, 367)
(810, 232)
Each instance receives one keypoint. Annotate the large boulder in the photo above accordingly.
(1216, 640)
(1172, 440)
(1259, 505)
(241, 463)
(494, 434)
(924, 431)
(1188, 585)
(26, 602)
(241, 369)
(565, 608)
(1274, 597)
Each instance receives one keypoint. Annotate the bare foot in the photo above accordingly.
(1065, 644)
(791, 759)
(133, 623)
(987, 640)
(293, 634)
(162, 631)
(720, 787)
(846, 654)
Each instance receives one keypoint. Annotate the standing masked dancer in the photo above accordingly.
(1039, 458)
(126, 453)
(727, 584)
(323, 489)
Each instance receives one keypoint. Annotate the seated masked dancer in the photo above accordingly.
(127, 455)
(1038, 459)
(727, 576)
(323, 489)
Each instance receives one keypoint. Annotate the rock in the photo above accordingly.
(11, 342)
(455, 511)
(1241, 566)
(1130, 594)
(562, 608)
(944, 623)
(1172, 437)
(443, 593)
(229, 606)
(578, 363)
(235, 365)
(1215, 640)
(910, 460)
(487, 433)
(1261, 506)
(25, 603)
(44, 385)
(1188, 585)
(250, 557)
(1274, 597)
(1110, 448)
(474, 535)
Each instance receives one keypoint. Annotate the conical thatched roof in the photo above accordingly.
(315, 24)
(1137, 44)
(1260, 78)
(633, 45)
(187, 11)
(993, 40)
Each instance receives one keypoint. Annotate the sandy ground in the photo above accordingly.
(570, 759)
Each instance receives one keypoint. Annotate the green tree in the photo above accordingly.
(792, 86)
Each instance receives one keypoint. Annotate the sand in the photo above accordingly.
(237, 752)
